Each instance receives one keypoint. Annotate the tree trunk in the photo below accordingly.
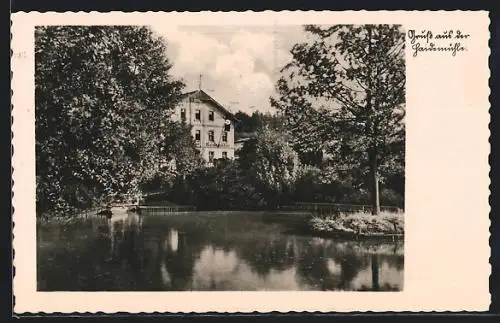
(375, 185)
(372, 132)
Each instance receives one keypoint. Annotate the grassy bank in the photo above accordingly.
(360, 224)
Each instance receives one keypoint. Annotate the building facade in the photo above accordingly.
(212, 124)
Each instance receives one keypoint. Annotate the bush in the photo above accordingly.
(359, 223)
(224, 186)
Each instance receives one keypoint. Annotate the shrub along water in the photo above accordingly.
(359, 224)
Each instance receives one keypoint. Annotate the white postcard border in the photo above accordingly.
(447, 172)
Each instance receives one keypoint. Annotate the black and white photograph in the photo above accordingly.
(220, 158)
(250, 162)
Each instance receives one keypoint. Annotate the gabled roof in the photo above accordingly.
(203, 96)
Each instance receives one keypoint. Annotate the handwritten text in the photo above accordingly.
(451, 41)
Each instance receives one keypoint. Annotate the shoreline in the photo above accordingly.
(355, 226)
(356, 237)
(359, 225)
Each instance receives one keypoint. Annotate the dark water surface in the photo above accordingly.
(238, 251)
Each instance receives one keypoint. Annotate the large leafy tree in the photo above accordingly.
(344, 94)
(273, 163)
(102, 93)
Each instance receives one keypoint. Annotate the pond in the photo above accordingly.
(209, 251)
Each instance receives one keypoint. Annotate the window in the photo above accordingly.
(224, 154)
(197, 115)
(211, 136)
(183, 114)
(211, 115)
(197, 135)
(224, 136)
(210, 156)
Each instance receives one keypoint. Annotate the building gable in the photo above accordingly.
(214, 136)
(205, 98)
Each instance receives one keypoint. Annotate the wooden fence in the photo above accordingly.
(161, 209)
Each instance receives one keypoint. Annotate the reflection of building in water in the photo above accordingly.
(173, 238)
(333, 267)
(178, 258)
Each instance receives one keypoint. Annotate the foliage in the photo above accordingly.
(359, 223)
(178, 147)
(325, 186)
(102, 93)
(251, 123)
(344, 94)
(224, 186)
(275, 165)
(178, 158)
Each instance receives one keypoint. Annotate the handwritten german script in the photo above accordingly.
(447, 41)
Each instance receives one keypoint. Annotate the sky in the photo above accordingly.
(239, 64)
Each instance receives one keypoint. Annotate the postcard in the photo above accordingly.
(250, 161)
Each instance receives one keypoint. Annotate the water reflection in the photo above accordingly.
(201, 252)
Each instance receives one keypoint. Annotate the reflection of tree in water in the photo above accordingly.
(316, 260)
(121, 270)
(128, 254)
(313, 270)
(351, 265)
(91, 259)
(376, 263)
(256, 242)
(141, 254)
(396, 261)
(375, 273)
(332, 265)
(266, 254)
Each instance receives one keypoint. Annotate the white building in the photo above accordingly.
(212, 124)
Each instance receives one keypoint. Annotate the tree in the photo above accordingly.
(251, 123)
(227, 185)
(274, 164)
(179, 146)
(344, 94)
(101, 95)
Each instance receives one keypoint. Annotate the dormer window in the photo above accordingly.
(210, 115)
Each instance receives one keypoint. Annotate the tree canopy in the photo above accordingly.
(343, 94)
(102, 94)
